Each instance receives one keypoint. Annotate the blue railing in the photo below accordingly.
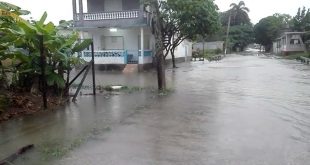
(105, 53)
(115, 56)
(125, 57)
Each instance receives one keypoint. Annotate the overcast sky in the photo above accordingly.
(62, 9)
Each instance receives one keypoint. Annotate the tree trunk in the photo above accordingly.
(159, 46)
(66, 92)
(173, 58)
(161, 76)
(268, 48)
(61, 72)
(3, 80)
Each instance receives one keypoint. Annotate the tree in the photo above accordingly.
(240, 36)
(175, 20)
(269, 28)
(301, 22)
(157, 26)
(186, 20)
(9, 16)
(239, 13)
(302, 19)
(21, 45)
(241, 30)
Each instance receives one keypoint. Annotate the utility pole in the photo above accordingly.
(227, 34)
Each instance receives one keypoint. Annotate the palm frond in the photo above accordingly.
(245, 9)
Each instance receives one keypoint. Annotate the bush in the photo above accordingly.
(4, 103)
(218, 51)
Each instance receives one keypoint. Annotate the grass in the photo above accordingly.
(296, 56)
(59, 149)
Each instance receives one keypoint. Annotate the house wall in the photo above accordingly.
(113, 5)
(276, 49)
(288, 43)
(130, 38)
(131, 4)
(184, 50)
(94, 6)
(209, 45)
(131, 42)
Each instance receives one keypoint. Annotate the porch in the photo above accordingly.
(120, 45)
(117, 57)
(289, 42)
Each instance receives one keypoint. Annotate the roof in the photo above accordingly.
(287, 33)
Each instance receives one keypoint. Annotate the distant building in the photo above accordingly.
(289, 42)
(208, 45)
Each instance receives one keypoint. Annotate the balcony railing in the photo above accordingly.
(111, 15)
(117, 56)
(107, 56)
(294, 47)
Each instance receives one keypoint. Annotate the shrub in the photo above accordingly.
(4, 103)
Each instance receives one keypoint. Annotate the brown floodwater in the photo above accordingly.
(241, 110)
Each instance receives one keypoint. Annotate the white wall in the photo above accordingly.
(209, 45)
(130, 37)
(183, 50)
(113, 5)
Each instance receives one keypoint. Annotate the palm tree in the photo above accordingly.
(240, 13)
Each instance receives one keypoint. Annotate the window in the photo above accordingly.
(112, 42)
(294, 41)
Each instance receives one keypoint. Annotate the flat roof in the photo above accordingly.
(286, 33)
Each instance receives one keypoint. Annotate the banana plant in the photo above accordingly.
(19, 42)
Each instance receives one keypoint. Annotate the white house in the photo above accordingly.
(120, 30)
(288, 43)
(209, 45)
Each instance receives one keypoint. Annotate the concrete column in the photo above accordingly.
(142, 44)
(286, 43)
(81, 10)
(141, 10)
(74, 9)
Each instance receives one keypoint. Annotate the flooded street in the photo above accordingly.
(239, 111)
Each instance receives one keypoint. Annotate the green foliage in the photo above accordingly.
(20, 44)
(295, 56)
(13, 8)
(241, 28)
(269, 28)
(187, 19)
(240, 36)
(4, 103)
(81, 46)
(301, 22)
(196, 17)
(238, 13)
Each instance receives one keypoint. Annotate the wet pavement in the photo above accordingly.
(239, 111)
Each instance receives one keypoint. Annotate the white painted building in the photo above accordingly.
(208, 45)
(289, 42)
(120, 30)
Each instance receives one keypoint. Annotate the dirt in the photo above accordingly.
(21, 104)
